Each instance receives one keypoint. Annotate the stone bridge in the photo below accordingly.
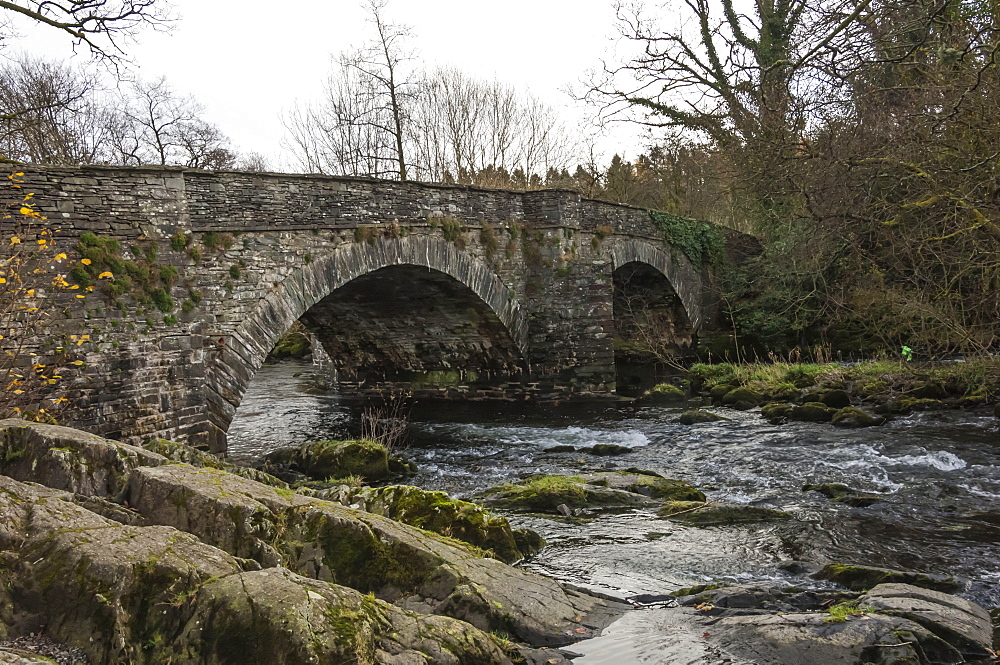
(454, 289)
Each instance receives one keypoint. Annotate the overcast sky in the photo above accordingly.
(247, 60)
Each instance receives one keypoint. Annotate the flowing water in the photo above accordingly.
(939, 474)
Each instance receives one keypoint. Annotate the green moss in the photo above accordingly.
(694, 590)
(489, 240)
(337, 459)
(293, 344)
(162, 300)
(440, 514)
(541, 493)
(188, 306)
(169, 275)
(742, 397)
(666, 392)
(179, 241)
(453, 231)
(815, 412)
(700, 242)
(841, 612)
(234, 271)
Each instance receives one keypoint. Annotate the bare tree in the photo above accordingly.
(160, 127)
(360, 128)
(52, 112)
(102, 26)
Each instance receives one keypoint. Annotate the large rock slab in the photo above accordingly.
(370, 553)
(275, 616)
(433, 511)
(91, 582)
(156, 595)
(873, 639)
(893, 624)
(68, 459)
(964, 625)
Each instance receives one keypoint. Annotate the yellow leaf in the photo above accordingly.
(30, 292)
(14, 240)
(81, 296)
(26, 211)
(78, 362)
(18, 392)
(75, 286)
(59, 257)
(41, 241)
(105, 275)
(85, 262)
(2, 280)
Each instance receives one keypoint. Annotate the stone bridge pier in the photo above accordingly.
(456, 290)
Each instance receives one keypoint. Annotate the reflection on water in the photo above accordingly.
(939, 475)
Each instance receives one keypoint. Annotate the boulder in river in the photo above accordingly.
(850, 417)
(335, 459)
(544, 494)
(663, 393)
(697, 416)
(862, 578)
(700, 513)
(742, 398)
(843, 494)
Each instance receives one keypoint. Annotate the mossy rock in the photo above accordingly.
(851, 417)
(560, 449)
(906, 405)
(437, 512)
(646, 483)
(606, 450)
(700, 513)
(970, 401)
(718, 392)
(863, 578)
(336, 459)
(664, 393)
(545, 493)
(843, 494)
(742, 396)
(777, 413)
(836, 399)
(185, 454)
(693, 590)
(697, 416)
(813, 412)
(528, 542)
(783, 392)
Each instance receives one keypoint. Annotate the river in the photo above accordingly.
(939, 474)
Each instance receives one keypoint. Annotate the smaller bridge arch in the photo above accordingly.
(680, 273)
(234, 361)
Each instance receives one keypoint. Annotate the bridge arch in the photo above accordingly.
(680, 273)
(234, 360)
